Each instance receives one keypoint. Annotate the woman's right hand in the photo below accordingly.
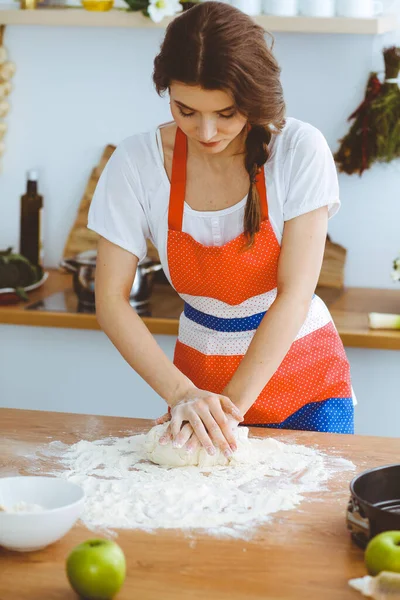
(208, 417)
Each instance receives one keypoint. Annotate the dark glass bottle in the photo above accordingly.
(31, 242)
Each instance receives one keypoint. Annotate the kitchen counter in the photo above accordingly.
(349, 310)
(301, 554)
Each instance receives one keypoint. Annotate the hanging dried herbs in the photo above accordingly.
(375, 133)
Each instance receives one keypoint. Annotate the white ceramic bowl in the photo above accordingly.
(61, 500)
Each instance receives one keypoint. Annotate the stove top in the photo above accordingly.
(67, 301)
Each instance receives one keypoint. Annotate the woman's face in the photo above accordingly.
(208, 117)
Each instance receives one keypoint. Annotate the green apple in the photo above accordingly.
(96, 569)
(383, 553)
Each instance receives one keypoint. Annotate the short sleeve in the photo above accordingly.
(116, 212)
(311, 177)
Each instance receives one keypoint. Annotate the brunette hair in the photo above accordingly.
(217, 47)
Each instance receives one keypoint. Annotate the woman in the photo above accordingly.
(236, 199)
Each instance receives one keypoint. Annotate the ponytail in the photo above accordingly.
(257, 154)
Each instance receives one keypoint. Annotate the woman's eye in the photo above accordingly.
(190, 114)
(228, 116)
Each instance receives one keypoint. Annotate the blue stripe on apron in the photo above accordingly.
(218, 324)
(335, 415)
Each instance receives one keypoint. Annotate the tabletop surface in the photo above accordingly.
(304, 553)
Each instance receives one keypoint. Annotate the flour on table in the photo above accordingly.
(124, 489)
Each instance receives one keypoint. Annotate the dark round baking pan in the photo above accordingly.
(374, 505)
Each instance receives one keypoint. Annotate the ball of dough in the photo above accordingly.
(168, 456)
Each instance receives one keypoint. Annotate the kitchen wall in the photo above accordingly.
(77, 90)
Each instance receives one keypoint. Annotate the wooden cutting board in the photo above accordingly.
(80, 237)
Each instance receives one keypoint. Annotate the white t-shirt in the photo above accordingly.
(130, 203)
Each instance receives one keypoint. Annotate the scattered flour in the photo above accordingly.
(125, 490)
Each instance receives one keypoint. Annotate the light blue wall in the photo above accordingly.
(77, 90)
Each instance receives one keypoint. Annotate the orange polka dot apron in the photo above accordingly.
(227, 292)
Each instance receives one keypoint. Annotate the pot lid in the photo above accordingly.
(86, 258)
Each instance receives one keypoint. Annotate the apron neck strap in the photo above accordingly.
(178, 185)
(178, 182)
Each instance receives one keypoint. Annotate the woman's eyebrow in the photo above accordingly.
(194, 110)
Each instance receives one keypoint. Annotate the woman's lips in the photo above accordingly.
(209, 145)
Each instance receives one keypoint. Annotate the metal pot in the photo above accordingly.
(374, 505)
(83, 267)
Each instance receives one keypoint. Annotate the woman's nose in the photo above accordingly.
(207, 130)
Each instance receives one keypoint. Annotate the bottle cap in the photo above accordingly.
(32, 175)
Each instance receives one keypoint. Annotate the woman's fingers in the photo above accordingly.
(231, 409)
(164, 419)
(224, 424)
(166, 437)
(216, 434)
(211, 417)
(201, 432)
(183, 436)
(176, 423)
(193, 444)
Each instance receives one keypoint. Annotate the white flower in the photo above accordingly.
(396, 275)
(158, 9)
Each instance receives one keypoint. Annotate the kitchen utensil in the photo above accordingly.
(83, 267)
(374, 505)
(281, 8)
(358, 9)
(62, 503)
(250, 7)
(317, 8)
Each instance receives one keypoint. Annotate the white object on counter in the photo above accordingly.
(250, 7)
(358, 9)
(383, 321)
(386, 586)
(317, 8)
(281, 8)
(25, 531)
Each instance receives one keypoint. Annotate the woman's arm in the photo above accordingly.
(299, 267)
(115, 272)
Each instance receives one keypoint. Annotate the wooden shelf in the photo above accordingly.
(78, 17)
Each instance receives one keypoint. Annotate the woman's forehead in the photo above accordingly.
(200, 99)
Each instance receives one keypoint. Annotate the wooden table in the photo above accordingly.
(301, 554)
(349, 309)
